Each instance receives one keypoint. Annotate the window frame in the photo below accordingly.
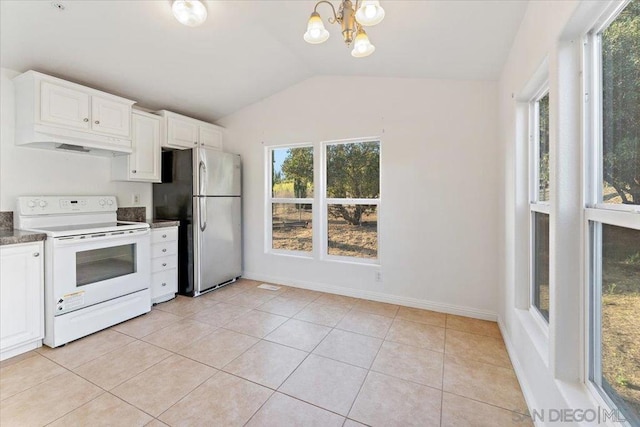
(319, 204)
(270, 201)
(596, 213)
(535, 204)
(326, 201)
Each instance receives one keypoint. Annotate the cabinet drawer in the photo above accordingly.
(164, 235)
(164, 249)
(164, 282)
(164, 263)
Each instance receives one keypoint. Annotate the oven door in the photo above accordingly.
(94, 268)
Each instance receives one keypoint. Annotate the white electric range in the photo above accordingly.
(97, 269)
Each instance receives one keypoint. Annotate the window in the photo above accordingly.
(539, 206)
(352, 198)
(613, 196)
(291, 199)
(349, 194)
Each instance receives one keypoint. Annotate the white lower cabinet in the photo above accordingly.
(164, 264)
(21, 298)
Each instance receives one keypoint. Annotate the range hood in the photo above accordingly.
(54, 138)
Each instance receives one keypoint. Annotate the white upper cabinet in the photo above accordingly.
(210, 136)
(184, 132)
(181, 133)
(145, 161)
(58, 114)
(63, 106)
(110, 117)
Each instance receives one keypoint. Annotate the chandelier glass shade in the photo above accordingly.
(316, 32)
(351, 18)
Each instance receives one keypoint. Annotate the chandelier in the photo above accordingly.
(365, 13)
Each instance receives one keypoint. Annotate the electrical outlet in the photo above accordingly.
(136, 199)
(378, 276)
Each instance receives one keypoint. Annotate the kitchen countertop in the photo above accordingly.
(162, 223)
(138, 214)
(13, 236)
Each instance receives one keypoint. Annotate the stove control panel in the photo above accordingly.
(47, 205)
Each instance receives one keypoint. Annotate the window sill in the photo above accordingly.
(291, 254)
(352, 260)
(538, 332)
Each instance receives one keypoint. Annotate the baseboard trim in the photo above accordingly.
(517, 367)
(377, 296)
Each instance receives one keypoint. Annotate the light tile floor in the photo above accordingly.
(293, 357)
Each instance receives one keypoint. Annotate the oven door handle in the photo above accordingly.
(99, 237)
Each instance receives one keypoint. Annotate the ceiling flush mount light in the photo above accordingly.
(189, 12)
(351, 19)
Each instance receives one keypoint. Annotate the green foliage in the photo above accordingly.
(277, 177)
(621, 99)
(298, 168)
(633, 259)
(353, 171)
(543, 179)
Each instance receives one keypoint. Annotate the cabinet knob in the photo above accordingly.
(164, 284)
(164, 236)
(86, 119)
(164, 250)
(36, 254)
(164, 264)
(134, 171)
(97, 122)
(195, 143)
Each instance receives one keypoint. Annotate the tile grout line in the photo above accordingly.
(442, 379)
(78, 407)
(374, 361)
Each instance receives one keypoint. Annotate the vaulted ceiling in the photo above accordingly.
(246, 50)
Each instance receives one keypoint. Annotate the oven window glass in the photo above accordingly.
(105, 263)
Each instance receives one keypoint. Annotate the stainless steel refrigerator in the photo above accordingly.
(202, 189)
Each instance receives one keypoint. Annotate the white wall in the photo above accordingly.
(440, 185)
(29, 171)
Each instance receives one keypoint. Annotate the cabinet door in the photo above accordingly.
(144, 162)
(21, 294)
(210, 136)
(110, 117)
(181, 133)
(62, 106)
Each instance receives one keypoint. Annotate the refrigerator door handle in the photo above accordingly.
(202, 207)
(202, 178)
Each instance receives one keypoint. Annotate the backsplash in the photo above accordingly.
(6, 220)
(137, 214)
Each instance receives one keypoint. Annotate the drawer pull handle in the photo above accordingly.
(164, 236)
(164, 250)
(164, 264)
(164, 284)
(97, 122)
